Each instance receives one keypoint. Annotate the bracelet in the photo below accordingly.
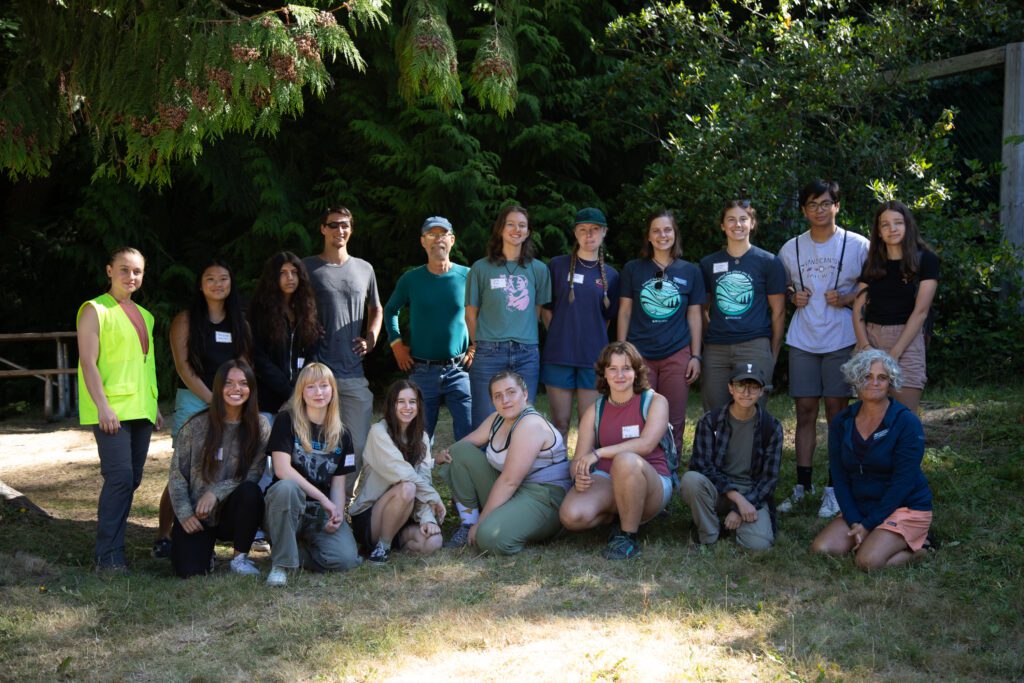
(699, 359)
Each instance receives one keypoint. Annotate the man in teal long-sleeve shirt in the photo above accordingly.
(435, 350)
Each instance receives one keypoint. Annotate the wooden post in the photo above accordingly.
(1011, 189)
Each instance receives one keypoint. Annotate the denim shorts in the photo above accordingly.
(568, 376)
(666, 486)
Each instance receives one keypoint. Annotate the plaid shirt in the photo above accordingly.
(711, 443)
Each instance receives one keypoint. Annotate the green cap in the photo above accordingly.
(591, 215)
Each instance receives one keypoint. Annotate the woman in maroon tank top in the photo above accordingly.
(619, 469)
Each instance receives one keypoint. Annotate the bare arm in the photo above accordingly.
(925, 295)
(695, 319)
(88, 356)
(374, 320)
(471, 315)
(529, 439)
(860, 327)
(625, 310)
(777, 303)
(545, 315)
(179, 350)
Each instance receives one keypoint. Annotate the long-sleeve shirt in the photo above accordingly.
(711, 444)
(888, 476)
(186, 484)
(384, 466)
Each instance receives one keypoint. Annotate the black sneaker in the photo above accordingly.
(380, 554)
(622, 547)
(459, 539)
(162, 548)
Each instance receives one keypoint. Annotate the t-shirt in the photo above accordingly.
(437, 312)
(342, 294)
(736, 465)
(507, 296)
(579, 330)
(316, 466)
(739, 289)
(657, 324)
(890, 298)
(818, 327)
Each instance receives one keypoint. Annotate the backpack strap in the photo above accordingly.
(598, 410)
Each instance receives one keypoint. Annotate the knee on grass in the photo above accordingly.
(491, 539)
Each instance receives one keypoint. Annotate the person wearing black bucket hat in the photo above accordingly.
(584, 298)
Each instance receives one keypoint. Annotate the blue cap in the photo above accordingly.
(436, 222)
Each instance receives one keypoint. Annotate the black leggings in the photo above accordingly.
(240, 516)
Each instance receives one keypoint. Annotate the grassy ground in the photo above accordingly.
(557, 612)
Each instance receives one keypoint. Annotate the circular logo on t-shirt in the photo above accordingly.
(734, 293)
(660, 303)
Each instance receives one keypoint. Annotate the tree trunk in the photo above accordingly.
(16, 499)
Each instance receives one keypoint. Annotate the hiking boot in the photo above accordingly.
(621, 547)
(794, 499)
(380, 554)
(241, 564)
(277, 577)
(459, 539)
(162, 548)
(829, 505)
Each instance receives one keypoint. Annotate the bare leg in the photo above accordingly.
(584, 399)
(560, 405)
(587, 509)
(832, 540)
(806, 429)
(911, 398)
(884, 548)
(166, 518)
(638, 490)
(391, 511)
(834, 406)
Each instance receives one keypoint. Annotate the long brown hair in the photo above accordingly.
(647, 250)
(494, 244)
(267, 315)
(912, 245)
(250, 438)
(407, 439)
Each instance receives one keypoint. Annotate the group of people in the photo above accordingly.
(272, 427)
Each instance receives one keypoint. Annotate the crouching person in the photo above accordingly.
(312, 452)
(737, 451)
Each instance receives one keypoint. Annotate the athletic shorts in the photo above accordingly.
(666, 487)
(361, 524)
(814, 375)
(912, 525)
(568, 377)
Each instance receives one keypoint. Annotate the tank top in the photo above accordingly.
(622, 423)
(551, 465)
(217, 346)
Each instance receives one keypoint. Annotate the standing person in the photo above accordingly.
(585, 297)
(504, 296)
(508, 493)
(895, 294)
(218, 460)
(346, 302)
(875, 449)
(395, 504)
(822, 266)
(285, 329)
(438, 353)
(312, 451)
(661, 312)
(212, 331)
(117, 395)
(746, 306)
(620, 468)
(737, 451)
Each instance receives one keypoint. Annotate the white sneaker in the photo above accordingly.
(829, 505)
(794, 498)
(241, 564)
(277, 577)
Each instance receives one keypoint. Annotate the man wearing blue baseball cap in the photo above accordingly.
(435, 348)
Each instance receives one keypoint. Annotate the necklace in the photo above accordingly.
(617, 403)
(583, 264)
(515, 266)
(663, 267)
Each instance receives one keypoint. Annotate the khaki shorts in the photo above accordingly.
(912, 362)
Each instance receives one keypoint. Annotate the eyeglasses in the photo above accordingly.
(661, 279)
(876, 379)
(338, 225)
(436, 236)
(820, 206)
(746, 387)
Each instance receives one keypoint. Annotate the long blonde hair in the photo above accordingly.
(332, 426)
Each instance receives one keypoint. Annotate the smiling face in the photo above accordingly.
(620, 374)
(317, 393)
(745, 393)
(437, 242)
(737, 225)
(406, 406)
(516, 229)
(874, 386)
(288, 278)
(821, 211)
(509, 397)
(216, 283)
(661, 234)
(589, 236)
(337, 230)
(126, 274)
(236, 388)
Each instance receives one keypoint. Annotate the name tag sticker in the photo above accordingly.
(631, 431)
(681, 280)
(577, 278)
(720, 267)
(220, 454)
(497, 283)
(879, 435)
(350, 460)
(222, 337)
(299, 362)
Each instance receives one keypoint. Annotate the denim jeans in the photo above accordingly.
(451, 383)
(493, 357)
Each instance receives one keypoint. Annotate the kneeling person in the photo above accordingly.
(737, 451)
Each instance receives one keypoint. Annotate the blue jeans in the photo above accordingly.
(493, 357)
(450, 382)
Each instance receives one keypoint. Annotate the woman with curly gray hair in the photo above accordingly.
(875, 448)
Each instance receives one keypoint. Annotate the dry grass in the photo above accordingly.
(556, 612)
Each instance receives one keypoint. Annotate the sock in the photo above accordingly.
(469, 516)
(803, 477)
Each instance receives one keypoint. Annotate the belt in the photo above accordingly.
(439, 363)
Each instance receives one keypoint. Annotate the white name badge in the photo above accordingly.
(720, 267)
(497, 283)
(350, 460)
(222, 337)
(220, 454)
(299, 362)
(577, 278)
(879, 435)
(631, 431)
(680, 280)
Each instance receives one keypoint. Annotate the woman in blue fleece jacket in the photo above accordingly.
(875, 448)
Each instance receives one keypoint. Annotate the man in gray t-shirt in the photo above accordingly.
(346, 300)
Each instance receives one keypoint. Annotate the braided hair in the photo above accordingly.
(572, 271)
